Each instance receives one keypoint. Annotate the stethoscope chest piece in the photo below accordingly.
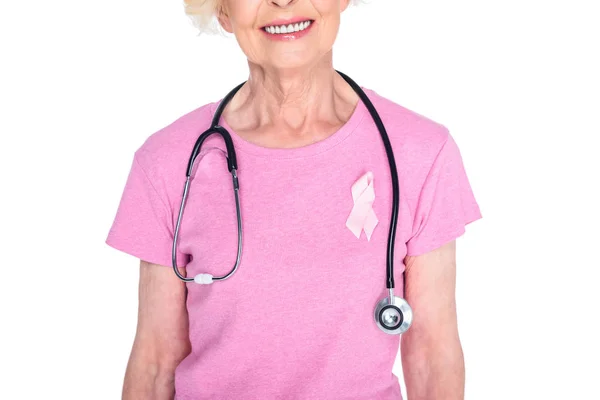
(393, 319)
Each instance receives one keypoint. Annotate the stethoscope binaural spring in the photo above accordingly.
(393, 314)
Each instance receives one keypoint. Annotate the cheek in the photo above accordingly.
(328, 31)
(329, 15)
(251, 45)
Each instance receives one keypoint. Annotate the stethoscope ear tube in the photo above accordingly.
(232, 167)
(176, 234)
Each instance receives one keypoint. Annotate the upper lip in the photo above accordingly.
(283, 21)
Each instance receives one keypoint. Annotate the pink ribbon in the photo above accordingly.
(362, 217)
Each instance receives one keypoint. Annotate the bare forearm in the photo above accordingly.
(148, 381)
(150, 373)
(433, 372)
(161, 338)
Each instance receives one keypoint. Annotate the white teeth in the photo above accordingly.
(300, 26)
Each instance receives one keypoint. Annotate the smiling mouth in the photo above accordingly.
(289, 28)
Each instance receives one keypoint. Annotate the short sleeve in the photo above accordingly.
(446, 203)
(143, 226)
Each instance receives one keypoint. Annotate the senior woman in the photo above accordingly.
(295, 321)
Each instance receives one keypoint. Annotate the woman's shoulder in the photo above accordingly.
(416, 137)
(178, 136)
(413, 124)
(164, 155)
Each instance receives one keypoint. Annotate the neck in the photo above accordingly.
(296, 101)
(292, 88)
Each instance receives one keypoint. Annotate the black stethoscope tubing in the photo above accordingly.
(232, 167)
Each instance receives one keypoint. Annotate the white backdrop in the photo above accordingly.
(82, 84)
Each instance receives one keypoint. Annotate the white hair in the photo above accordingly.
(202, 14)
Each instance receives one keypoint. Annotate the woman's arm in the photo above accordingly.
(432, 356)
(161, 339)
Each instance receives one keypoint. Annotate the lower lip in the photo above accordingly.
(288, 36)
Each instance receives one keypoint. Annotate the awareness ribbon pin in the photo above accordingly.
(362, 216)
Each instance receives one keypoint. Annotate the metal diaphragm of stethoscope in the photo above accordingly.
(393, 315)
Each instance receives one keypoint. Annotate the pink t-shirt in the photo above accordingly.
(296, 321)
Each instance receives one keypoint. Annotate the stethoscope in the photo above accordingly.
(393, 315)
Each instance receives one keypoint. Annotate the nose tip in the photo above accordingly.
(282, 3)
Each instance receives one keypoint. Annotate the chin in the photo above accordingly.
(291, 61)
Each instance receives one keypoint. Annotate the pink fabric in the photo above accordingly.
(296, 319)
